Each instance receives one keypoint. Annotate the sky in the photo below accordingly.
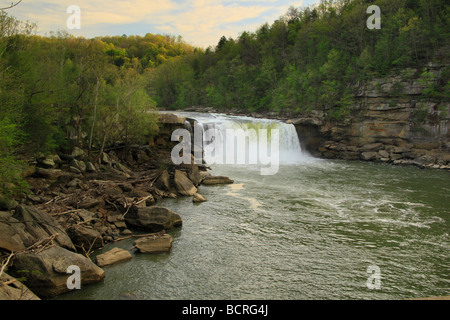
(201, 23)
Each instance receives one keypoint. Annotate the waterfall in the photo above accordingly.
(216, 128)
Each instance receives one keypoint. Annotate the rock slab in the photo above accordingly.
(113, 256)
(154, 244)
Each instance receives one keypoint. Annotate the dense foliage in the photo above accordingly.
(309, 59)
(61, 91)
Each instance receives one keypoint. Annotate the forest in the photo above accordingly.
(309, 59)
(60, 91)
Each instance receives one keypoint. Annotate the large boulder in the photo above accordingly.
(183, 185)
(46, 272)
(41, 225)
(115, 255)
(154, 244)
(153, 219)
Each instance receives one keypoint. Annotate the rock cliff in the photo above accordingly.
(394, 119)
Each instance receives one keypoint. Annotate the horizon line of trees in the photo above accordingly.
(309, 59)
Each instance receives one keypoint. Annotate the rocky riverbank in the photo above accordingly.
(77, 205)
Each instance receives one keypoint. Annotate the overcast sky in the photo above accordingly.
(199, 22)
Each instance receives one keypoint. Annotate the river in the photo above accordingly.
(317, 229)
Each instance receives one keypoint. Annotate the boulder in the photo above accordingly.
(154, 244)
(46, 163)
(183, 185)
(105, 159)
(90, 167)
(85, 237)
(78, 153)
(113, 256)
(194, 175)
(153, 219)
(13, 236)
(14, 290)
(198, 198)
(369, 156)
(51, 174)
(46, 272)
(41, 225)
(163, 181)
(212, 180)
(78, 164)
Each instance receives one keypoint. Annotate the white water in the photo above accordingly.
(288, 150)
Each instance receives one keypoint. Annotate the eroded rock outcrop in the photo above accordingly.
(46, 272)
(392, 120)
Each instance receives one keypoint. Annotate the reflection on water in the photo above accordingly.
(308, 232)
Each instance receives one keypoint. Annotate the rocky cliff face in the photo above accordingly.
(394, 120)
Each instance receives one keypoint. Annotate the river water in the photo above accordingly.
(317, 229)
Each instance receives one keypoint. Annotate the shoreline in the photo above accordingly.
(76, 207)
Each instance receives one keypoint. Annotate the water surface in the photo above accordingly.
(308, 232)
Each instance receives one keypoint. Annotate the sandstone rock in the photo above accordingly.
(153, 219)
(105, 159)
(203, 175)
(51, 174)
(85, 237)
(183, 185)
(198, 198)
(126, 232)
(369, 156)
(163, 182)
(371, 147)
(154, 244)
(120, 224)
(74, 170)
(170, 118)
(211, 180)
(15, 290)
(47, 273)
(46, 163)
(194, 175)
(383, 154)
(13, 236)
(113, 256)
(78, 164)
(41, 225)
(78, 153)
(90, 167)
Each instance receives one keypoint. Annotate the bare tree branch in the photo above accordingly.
(12, 5)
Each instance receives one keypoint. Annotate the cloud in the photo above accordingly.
(200, 22)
